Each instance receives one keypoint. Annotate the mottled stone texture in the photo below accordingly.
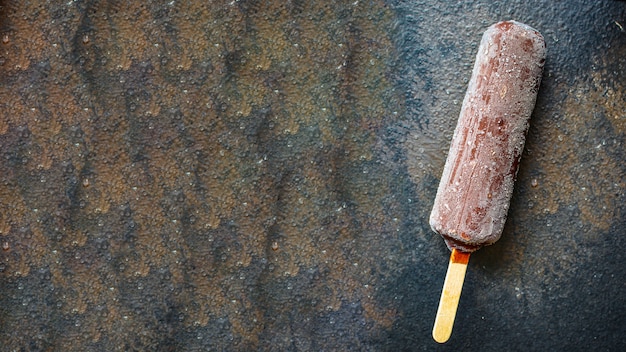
(257, 175)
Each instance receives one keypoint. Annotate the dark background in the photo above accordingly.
(258, 175)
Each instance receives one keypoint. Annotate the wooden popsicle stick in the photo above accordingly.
(450, 295)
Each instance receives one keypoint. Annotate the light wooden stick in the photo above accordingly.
(450, 295)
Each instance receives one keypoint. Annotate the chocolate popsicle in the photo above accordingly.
(477, 181)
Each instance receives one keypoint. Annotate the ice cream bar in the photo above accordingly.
(477, 182)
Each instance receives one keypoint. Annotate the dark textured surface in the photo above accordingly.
(253, 175)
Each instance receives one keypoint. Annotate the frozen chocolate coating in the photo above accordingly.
(477, 181)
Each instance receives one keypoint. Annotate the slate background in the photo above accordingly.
(257, 175)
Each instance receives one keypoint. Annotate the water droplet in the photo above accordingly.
(5, 39)
(85, 38)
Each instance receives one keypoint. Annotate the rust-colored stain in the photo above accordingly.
(155, 156)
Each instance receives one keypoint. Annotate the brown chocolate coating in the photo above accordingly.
(477, 182)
